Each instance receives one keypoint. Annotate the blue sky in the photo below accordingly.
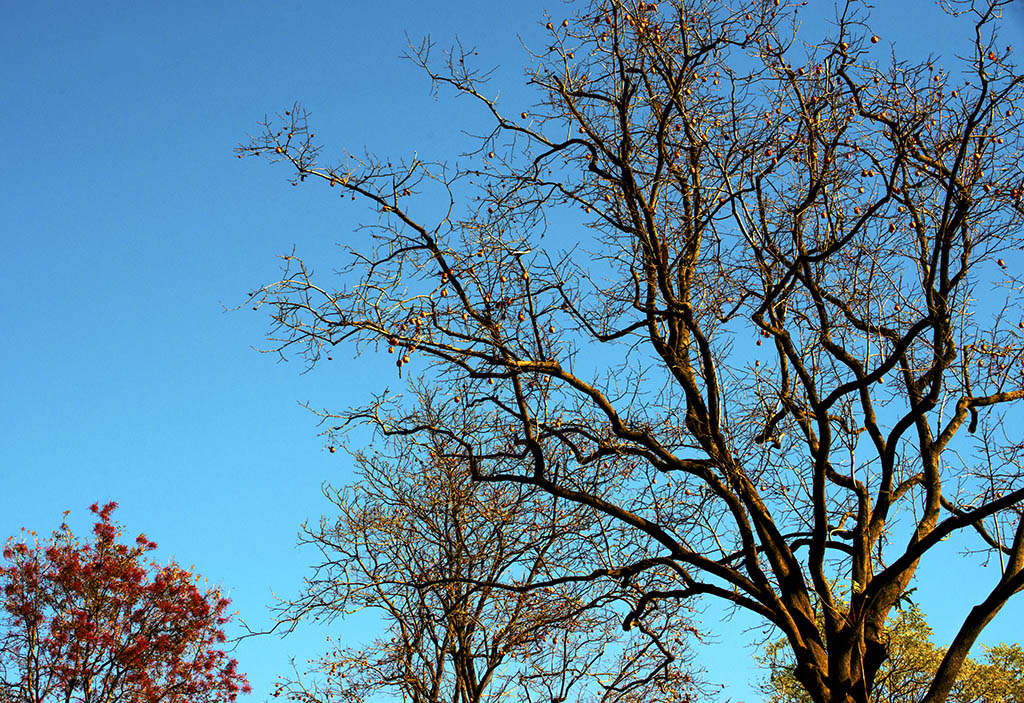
(127, 225)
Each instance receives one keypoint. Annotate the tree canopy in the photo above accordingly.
(94, 622)
(748, 296)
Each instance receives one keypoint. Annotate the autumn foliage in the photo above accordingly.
(96, 622)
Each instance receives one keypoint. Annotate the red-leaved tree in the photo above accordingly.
(95, 622)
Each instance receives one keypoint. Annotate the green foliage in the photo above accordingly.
(912, 663)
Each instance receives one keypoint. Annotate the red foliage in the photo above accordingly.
(96, 622)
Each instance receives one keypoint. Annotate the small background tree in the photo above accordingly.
(94, 622)
(477, 595)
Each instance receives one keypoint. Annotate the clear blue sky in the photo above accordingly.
(126, 223)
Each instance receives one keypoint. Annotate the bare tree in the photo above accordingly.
(420, 544)
(782, 352)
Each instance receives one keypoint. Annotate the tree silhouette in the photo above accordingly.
(779, 345)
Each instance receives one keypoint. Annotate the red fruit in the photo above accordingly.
(330, 449)
(874, 39)
(278, 149)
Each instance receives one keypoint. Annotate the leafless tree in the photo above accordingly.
(419, 544)
(782, 347)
